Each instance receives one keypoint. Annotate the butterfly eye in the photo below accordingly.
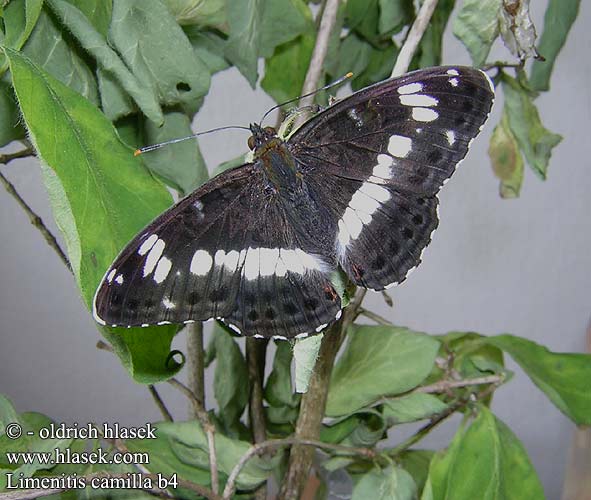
(270, 131)
(250, 143)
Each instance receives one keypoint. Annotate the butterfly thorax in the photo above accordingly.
(271, 153)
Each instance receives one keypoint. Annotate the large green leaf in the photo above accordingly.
(416, 462)
(560, 16)
(487, 462)
(98, 12)
(378, 361)
(533, 138)
(109, 62)
(54, 50)
(199, 13)
(209, 46)
(392, 483)
(101, 195)
(506, 158)
(158, 52)
(394, 15)
(230, 384)
(283, 20)
(291, 58)
(564, 377)
(180, 165)
(477, 26)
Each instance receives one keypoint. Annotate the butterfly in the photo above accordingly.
(354, 188)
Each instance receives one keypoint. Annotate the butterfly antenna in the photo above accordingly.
(326, 87)
(153, 147)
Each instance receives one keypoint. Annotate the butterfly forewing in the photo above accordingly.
(385, 152)
(354, 187)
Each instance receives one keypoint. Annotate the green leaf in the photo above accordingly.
(109, 61)
(51, 48)
(379, 67)
(533, 138)
(477, 26)
(354, 55)
(278, 390)
(180, 165)
(199, 13)
(101, 198)
(378, 361)
(282, 21)
(371, 429)
(291, 58)
(431, 44)
(486, 461)
(416, 463)
(392, 483)
(336, 433)
(560, 16)
(11, 128)
(411, 408)
(98, 13)
(209, 46)
(158, 52)
(507, 162)
(230, 384)
(242, 48)
(305, 353)
(394, 15)
(563, 377)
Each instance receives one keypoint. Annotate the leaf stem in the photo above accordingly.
(160, 403)
(375, 317)
(414, 37)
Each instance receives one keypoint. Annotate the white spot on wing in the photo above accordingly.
(376, 192)
(353, 223)
(169, 304)
(399, 146)
(119, 279)
(291, 261)
(382, 169)
(201, 263)
(418, 100)
(153, 256)
(251, 264)
(268, 261)
(451, 137)
(219, 257)
(148, 244)
(111, 275)
(162, 269)
(454, 82)
(453, 72)
(424, 114)
(410, 88)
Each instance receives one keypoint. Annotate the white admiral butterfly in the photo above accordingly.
(355, 187)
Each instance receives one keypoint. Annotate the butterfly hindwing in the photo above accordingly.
(383, 154)
(226, 252)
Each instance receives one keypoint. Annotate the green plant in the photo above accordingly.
(118, 74)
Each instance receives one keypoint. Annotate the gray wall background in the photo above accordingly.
(520, 266)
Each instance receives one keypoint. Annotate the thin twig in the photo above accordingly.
(500, 65)
(375, 317)
(35, 219)
(257, 449)
(160, 404)
(31, 494)
(6, 158)
(414, 37)
(445, 385)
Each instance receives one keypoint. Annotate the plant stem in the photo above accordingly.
(160, 404)
(195, 367)
(375, 317)
(33, 217)
(414, 37)
(277, 443)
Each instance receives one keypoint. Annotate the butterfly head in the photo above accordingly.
(260, 136)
